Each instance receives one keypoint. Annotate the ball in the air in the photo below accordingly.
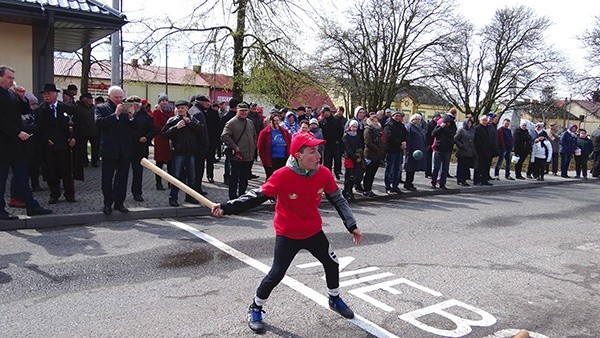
(417, 154)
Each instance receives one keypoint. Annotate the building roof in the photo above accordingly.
(64, 67)
(421, 95)
(76, 22)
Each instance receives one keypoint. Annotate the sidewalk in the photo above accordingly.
(88, 208)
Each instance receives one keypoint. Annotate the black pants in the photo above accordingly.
(137, 172)
(539, 167)
(58, 167)
(596, 165)
(200, 161)
(410, 178)
(238, 181)
(285, 251)
(210, 159)
(114, 180)
(349, 179)
(581, 169)
(276, 163)
(369, 177)
(519, 165)
(428, 161)
(160, 165)
(95, 148)
(332, 156)
(482, 172)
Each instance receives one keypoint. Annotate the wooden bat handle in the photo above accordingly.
(183, 187)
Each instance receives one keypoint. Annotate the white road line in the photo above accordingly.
(318, 298)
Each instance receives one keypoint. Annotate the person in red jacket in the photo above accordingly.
(273, 145)
(162, 149)
(298, 188)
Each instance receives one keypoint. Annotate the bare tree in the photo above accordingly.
(252, 34)
(508, 59)
(591, 42)
(387, 43)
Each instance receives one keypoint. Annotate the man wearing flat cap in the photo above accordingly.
(58, 130)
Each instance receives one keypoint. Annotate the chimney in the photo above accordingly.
(134, 63)
(197, 69)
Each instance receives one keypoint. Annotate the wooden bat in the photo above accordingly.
(183, 187)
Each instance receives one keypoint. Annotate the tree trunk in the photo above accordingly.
(238, 51)
(86, 65)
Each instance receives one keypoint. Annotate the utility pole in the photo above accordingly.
(115, 60)
(167, 68)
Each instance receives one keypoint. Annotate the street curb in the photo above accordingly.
(58, 220)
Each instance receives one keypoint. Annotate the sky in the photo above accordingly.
(569, 19)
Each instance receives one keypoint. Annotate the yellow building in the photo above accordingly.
(420, 99)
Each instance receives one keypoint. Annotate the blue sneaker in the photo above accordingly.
(337, 304)
(255, 322)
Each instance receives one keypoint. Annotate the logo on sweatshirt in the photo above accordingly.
(293, 196)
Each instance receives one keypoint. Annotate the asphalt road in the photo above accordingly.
(474, 265)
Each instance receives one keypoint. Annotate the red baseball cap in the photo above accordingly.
(304, 139)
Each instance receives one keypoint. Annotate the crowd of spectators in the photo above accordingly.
(51, 138)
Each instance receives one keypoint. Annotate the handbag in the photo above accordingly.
(228, 150)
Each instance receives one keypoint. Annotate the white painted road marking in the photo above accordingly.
(318, 298)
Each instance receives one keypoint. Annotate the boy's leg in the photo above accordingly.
(285, 251)
(319, 247)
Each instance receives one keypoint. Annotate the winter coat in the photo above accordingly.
(596, 140)
(444, 136)
(416, 141)
(542, 149)
(246, 138)
(184, 141)
(568, 142)
(162, 148)
(115, 132)
(333, 130)
(506, 139)
(353, 147)
(374, 149)
(264, 145)
(465, 142)
(483, 144)
(143, 126)
(395, 133)
(522, 142)
(291, 127)
(586, 146)
(492, 130)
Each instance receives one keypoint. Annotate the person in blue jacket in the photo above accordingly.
(568, 144)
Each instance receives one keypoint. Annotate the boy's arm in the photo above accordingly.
(247, 201)
(343, 208)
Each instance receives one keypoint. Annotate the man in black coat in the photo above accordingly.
(198, 111)
(114, 121)
(58, 134)
(333, 131)
(485, 152)
(429, 139)
(12, 147)
(444, 142)
(143, 131)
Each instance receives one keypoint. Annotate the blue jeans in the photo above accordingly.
(441, 165)
(178, 163)
(393, 170)
(20, 177)
(505, 155)
(565, 159)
